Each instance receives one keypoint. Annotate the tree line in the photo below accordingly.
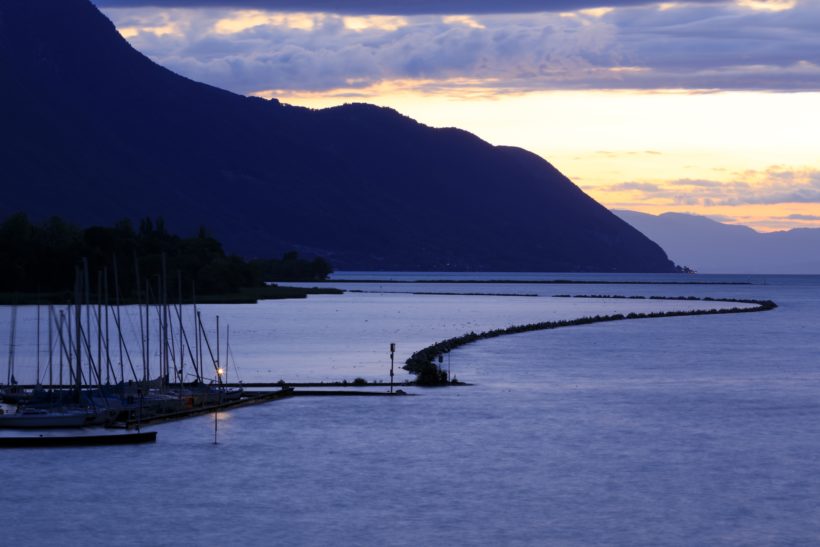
(43, 257)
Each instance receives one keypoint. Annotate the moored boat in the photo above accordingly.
(13, 395)
(37, 418)
(232, 393)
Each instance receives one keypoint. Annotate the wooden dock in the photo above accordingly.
(246, 385)
(63, 441)
(250, 398)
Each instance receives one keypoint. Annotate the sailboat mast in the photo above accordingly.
(87, 333)
(147, 371)
(60, 334)
(139, 307)
(69, 353)
(37, 382)
(165, 341)
(107, 332)
(50, 349)
(181, 332)
(119, 318)
(78, 326)
(197, 345)
(99, 328)
(12, 336)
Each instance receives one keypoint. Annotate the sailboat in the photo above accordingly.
(11, 393)
(95, 392)
(39, 418)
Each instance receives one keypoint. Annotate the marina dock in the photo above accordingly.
(249, 398)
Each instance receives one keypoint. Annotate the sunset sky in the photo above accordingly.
(710, 107)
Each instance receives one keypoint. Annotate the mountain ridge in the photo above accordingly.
(710, 246)
(97, 131)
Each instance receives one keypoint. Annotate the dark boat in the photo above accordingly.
(14, 396)
(79, 440)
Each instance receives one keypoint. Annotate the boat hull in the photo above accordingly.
(44, 421)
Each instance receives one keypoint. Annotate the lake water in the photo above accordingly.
(696, 430)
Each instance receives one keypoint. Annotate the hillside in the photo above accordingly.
(94, 131)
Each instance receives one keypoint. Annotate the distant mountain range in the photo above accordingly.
(94, 131)
(709, 246)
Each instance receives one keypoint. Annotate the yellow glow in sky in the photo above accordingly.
(378, 22)
(768, 5)
(242, 20)
(246, 19)
(465, 20)
(130, 32)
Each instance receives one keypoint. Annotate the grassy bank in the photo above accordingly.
(532, 282)
(246, 295)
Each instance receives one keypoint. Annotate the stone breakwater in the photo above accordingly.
(423, 362)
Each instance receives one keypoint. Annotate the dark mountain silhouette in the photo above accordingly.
(709, 246)
(94, 131)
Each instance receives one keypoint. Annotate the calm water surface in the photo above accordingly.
(679, 431)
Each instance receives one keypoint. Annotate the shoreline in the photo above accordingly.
(246, 295)
(528, 282)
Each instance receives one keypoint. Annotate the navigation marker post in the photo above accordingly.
(219, 372)
(392, 352)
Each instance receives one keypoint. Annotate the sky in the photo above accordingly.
(709, 107)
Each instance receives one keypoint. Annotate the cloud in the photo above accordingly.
(639, 45)
(644, 187)
(779, 185)
(395, 7)
(802, 217)
(702, 183)
(774, 186)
